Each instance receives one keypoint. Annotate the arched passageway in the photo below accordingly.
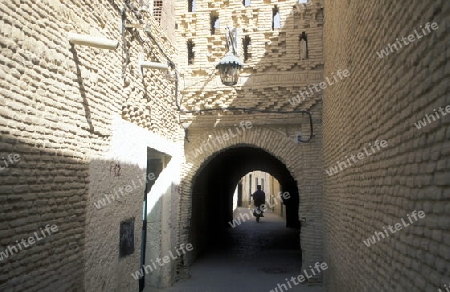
(214, 185)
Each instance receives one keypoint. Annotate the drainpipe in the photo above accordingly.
(91, 41)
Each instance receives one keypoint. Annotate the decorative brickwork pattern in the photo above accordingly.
(272, 75)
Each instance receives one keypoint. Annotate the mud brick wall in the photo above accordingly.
(383, 99)
(57, 106)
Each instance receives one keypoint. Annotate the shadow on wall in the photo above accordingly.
(96, 207)
(45, 187)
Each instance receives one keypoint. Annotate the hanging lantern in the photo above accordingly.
(229, 68)
(230, 64)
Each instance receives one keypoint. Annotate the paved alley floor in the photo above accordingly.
(255, 257)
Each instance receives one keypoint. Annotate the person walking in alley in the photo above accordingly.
(259, 198)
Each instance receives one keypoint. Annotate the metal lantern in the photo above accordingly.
(229, 68)
(230, 64)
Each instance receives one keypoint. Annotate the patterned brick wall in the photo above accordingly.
(382, 99)
(57, 108)
(273, 74)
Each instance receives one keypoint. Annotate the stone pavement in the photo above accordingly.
(252, 258)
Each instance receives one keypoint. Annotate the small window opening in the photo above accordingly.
(276, 18)
(191, 5)
(303, 46)
(214, 22)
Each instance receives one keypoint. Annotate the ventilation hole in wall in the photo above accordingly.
(246, 3)
(191, 54)
(320, 15)
(246, 44)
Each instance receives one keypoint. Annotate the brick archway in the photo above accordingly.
(272, 141)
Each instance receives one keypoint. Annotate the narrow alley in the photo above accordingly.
(134, 134)
(251, 257)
